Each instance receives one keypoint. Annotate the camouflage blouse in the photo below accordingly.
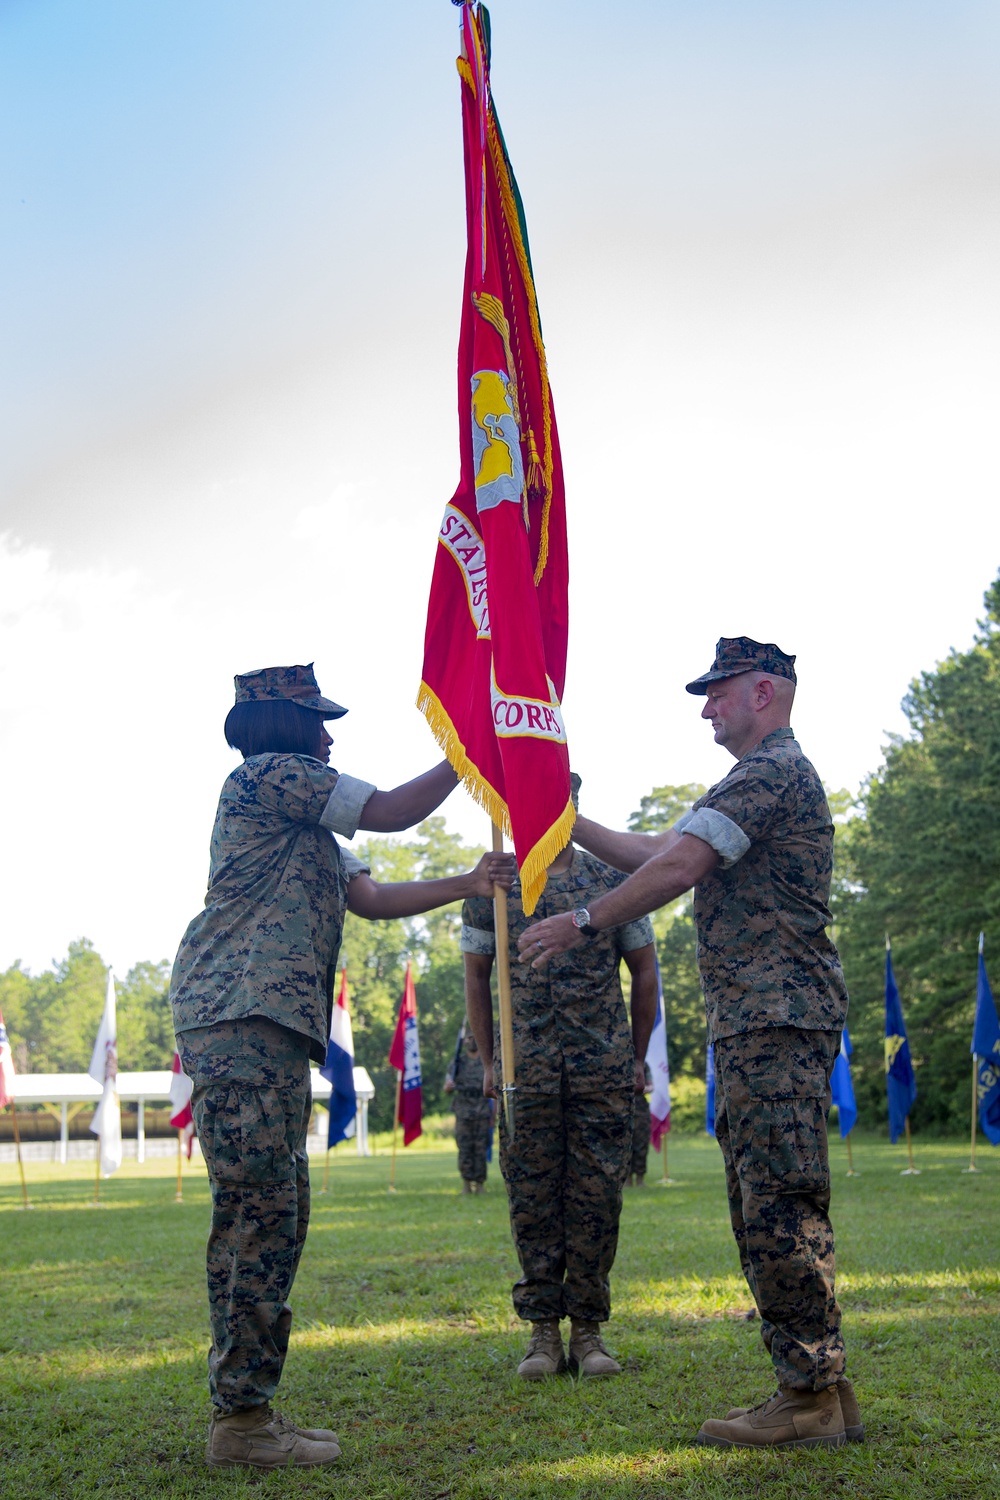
(267, 941)
(763, 950)
(571, 1028)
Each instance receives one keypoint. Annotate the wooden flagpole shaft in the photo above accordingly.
(395, 1127)
(97, 1174)
(20, 1163)
(503, 993)
(326, 1171)
(179, 1195)
(850, 1158)
(667, 1181)
(911, 1170)
(975, 1091)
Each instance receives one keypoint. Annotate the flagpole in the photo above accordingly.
(395, 1127)
(667, 1180)
(179, 1195)
(326, 1172)
(20, 1163)
(503, 993)
(97, 1177)
(911, 1170)
(850, 1157)
(975, 1090)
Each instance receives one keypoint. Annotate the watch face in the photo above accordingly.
(581, 918)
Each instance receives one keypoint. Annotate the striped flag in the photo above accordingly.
(6, 1067)
(181, 1088)
(339, 1068)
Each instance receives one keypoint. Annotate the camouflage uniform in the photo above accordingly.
(641, 1132)
(575, 1075)
(776, 1003)
(473, 1114)
(251, 990)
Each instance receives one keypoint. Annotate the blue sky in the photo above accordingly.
(765, 238)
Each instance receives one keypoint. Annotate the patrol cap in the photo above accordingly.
(575, 782)
(737, 654)
(295, 683)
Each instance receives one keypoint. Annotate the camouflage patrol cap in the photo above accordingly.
(575, 783)
(295, 683)
(735, 655)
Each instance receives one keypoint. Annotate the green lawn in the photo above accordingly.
(406, 1343)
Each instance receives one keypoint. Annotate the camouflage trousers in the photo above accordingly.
(251, 1104)
(564, 1173)
(641, 1131)
(472, 1135)
(772, 1093)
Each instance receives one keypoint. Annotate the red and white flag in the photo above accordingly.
(404, 1056)
(181, 1117)
(497, 617)
(6, 1067)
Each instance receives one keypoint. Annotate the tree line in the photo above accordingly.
(917, 857)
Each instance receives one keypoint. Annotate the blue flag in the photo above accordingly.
(900, 1083)
(842, 1088)
(338, 1069)
(710, 1089)
(986, 1050)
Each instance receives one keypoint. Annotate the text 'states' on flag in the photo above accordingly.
(495, 645)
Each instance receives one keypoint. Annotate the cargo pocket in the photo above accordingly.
(242, 1133)
(797, 1158)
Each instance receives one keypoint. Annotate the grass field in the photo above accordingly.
(405, 1340)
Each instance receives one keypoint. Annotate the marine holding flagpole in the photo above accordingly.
(252, 990)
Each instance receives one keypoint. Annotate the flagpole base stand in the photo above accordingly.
(22, 1207)
(911, 1172)
(178, 1197)
(667, 1182)
(970, 1169)
(851, 1173)
(391, 1189)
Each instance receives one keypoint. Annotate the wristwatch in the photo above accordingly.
(581, 920)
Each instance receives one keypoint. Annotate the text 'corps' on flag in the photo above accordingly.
(497, 619)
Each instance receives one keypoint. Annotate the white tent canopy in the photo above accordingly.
(64, 1090)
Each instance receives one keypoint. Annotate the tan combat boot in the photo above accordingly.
(260, 1438)
(853, 1425)
(587, 1354)
(789, 1419)
(640, 1179)
(544, 1355)
(466, 1185)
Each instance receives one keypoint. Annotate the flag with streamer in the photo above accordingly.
(181, 1089)
(842, 1087)
(404, 1056)
(338, 1069)
(658, 1063)
(986, 1050)
(497, 618)
(901, 1085)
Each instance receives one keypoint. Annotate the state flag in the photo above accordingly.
(181, 1089)
(986, 1050)
(107, 1121)
(658, 1063)
(404, 1056)
(338, 1068)
(900, 1083)
(842, 1087)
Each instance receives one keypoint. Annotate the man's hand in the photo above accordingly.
(544, 940)
(640, 1076)
(492, 869)
(449, 1086)
(488, 1090)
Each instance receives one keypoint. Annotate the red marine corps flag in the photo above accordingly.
(495, 647)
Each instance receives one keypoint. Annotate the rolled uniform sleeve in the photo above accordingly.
(352, 865)
(719, 832)
(478, 931)
(741, 810)
(345, 804)
(635, 935)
